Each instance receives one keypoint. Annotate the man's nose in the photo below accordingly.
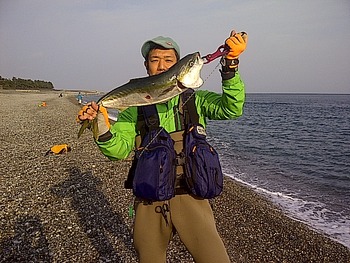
(161, 66)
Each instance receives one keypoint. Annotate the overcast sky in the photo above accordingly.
(294, 46)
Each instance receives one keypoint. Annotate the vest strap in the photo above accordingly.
(148, 119)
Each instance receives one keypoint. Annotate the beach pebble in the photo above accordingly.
(74, 208)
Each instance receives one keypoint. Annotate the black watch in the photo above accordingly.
(225, 62)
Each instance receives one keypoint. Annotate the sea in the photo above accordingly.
(295, 150)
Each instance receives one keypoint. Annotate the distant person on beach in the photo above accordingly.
(187, 214)
(80, 98)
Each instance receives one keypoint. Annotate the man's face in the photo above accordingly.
(160, 60)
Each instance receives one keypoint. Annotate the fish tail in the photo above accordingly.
(91, 125)
(94, 129)
(86, 124)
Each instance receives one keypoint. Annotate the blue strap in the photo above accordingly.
(150, 116)
(191, 114)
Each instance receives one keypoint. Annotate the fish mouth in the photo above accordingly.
(192, 78)
(199, 59)
(181, 86)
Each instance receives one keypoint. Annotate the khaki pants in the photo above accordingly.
(193, 220)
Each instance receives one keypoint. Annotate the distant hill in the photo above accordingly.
(25, 84)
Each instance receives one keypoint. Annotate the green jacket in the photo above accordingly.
(211, 105)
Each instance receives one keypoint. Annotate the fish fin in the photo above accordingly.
(164, 92)
(120, 109)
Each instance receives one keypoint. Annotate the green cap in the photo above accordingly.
(165, 42)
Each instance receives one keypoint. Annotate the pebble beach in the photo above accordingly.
(73, 207)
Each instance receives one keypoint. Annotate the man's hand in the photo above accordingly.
(92, 111)
(88, 112)
(237, 43)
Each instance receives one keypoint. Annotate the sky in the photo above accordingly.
(298, 46)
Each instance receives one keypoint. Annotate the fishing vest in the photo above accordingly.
(166, 164)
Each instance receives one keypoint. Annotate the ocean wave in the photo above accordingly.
(315, 214)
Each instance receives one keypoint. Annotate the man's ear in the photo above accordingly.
(146, 66)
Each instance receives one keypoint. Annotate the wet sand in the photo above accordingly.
(73, 207)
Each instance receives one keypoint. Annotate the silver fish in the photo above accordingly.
(155, 89)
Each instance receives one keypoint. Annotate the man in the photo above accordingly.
(187, 215)
(79, 98)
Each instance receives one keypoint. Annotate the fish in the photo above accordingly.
(184, 75)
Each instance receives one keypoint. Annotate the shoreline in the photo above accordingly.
(73, 207)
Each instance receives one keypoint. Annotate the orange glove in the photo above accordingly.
(59, 149)
(87, 112)
(237, 43)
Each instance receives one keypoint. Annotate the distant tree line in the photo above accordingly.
(25, 84)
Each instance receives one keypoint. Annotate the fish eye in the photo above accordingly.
(191, 63)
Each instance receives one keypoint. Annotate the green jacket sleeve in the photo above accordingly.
(123, 136)
(228, 105)
(211, 105)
